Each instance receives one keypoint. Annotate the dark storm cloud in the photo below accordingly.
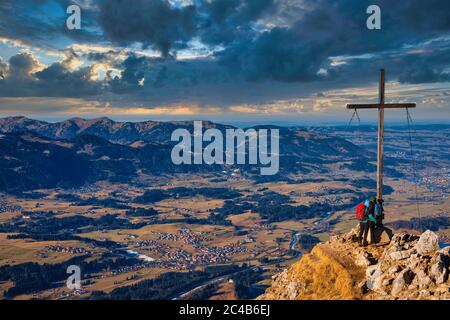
(3, 69)
(57, 80)
(422, 74)
(342, 24)
(134, 70)
(275, 55)
(157, 23)
(148, 22)
(102, 56)
(222, 22)
(281, 41)
(21, 66)
(149, 76)
(334, 28)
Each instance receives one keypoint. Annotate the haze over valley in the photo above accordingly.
(105, 195)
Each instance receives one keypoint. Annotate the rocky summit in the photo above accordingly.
(406, 267)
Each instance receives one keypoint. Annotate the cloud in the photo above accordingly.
(153, 22)
(225, 21)
(27, 77)
(240, 53)
(276, 107)
(299, 51)
(3, 70)
(50, 106)
(58, 80)
(322, 105)
(278, 54)
(22, 66)
(422, 74)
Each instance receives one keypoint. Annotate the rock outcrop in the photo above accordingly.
(406, 267)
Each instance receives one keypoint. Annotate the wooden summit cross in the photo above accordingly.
(380, 106)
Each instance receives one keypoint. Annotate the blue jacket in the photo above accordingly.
(370, 212)
(372, 218)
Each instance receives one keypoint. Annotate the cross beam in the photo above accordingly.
(380, 106)
(385, 106)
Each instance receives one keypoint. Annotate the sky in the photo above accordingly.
(297, 61)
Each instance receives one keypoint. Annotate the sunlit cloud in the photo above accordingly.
(276, 57)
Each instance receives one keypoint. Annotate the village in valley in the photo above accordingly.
(122, 234)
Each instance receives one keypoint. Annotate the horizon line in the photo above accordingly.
(241, 122)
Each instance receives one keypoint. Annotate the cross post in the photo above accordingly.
(380, 106)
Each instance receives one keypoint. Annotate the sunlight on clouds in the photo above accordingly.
(79, 107)
(196, 49)
(322, 105)
(395, 92)
(47, 106)
(71, 60)
(171, 110)
(278, 107)
(19, 44)
(102, 70)
(13, 42)
(181, 3)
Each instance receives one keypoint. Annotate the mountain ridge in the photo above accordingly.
(118, 151)
(104, 127)
(406, 267)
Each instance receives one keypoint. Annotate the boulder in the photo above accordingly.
(373, 276)
(423, 280)
(428, 243)
(396, 255)
(438, 270)
(398, 286)
(401, 282)
(400, 255)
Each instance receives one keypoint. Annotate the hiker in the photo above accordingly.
(365, 213)
(360, 215)
(379, 213)
(371, 220)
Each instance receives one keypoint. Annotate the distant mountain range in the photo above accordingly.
(113, 131)
(37, 154)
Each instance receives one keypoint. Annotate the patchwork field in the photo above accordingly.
(208, 235)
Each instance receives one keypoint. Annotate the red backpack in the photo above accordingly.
(360, 211)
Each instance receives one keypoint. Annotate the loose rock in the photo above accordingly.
(428, 243)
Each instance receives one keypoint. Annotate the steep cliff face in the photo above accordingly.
(406, 267)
